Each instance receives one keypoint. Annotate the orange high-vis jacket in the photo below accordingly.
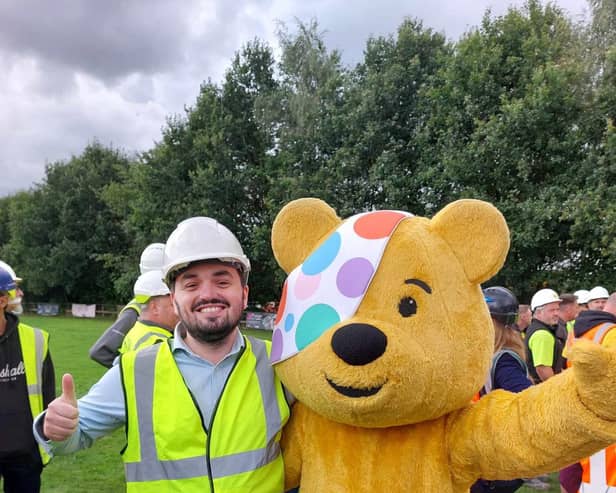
(598, 471)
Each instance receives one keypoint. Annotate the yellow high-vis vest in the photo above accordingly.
(143, 335)
(132, 305)
(170, 448)
(34, 348)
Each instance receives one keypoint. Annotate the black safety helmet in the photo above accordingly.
(502, 303)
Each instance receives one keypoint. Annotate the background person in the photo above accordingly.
(508, 370)
(544, 346)
(27, 386)
(107, 347)
(597, 473)
(582, 299)
(16, 303)
(157, 318)
(597, 298)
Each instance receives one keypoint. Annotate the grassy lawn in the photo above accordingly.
(100, 468)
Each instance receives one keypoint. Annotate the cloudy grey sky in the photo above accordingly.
(72, 71)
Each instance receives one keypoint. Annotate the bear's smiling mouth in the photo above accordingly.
(353, 391)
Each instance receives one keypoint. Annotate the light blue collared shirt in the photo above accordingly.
(102, 409)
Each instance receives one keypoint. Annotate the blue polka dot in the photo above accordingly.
(289, 320)
(316, 320)
(323, 257)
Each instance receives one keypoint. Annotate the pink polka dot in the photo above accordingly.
(277, 346)
(377, 224)
(306, 286)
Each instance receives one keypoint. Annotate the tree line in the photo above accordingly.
(519, 111)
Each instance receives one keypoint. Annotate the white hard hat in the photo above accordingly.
(152, 257)
(598, 293)
(150, 284)
(582, 296)
(543, 297)
(9, 269)
(202, 238)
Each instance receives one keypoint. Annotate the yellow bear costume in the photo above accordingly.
(384, 393)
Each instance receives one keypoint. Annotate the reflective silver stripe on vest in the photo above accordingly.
(146, 336)
(267, 383)
(39, 348)
(166, 469)
(602, 330)
(152, 469)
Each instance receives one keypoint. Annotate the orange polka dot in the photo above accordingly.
(377, 224)
(283, 303)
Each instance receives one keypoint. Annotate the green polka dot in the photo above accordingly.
(316, 320)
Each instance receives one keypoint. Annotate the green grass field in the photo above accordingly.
(99, 468)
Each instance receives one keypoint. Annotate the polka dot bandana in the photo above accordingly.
(331, 283)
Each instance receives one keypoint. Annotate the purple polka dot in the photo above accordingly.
(353, 277)
(305, 286)
(276, 346)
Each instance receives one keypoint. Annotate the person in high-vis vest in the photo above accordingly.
(157, 318)
(203, 411)
(107, 347)
(27, 386)
(599, 326)
(544, 343)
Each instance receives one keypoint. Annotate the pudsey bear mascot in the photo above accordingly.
(384, 338)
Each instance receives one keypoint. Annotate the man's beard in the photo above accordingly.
(209, 331)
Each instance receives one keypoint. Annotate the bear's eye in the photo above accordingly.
(407, 307)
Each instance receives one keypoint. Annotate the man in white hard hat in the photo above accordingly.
(597, 298)
(582, 298)
(544, 345)
(157, 319)
(204, 411)
(107, 347)
(598, 473)
(27, 386)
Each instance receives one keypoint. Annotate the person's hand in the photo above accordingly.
(62, 415)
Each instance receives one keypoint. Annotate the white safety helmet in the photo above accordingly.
(152, 257)
(202, 238)
(543, 297)
(9, 269)
(150, 284)
(598, 293)
(582, 296)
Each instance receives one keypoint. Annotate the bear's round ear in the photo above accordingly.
(298, 228)
(478, 235)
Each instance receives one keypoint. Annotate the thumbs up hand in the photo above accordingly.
(62, 414)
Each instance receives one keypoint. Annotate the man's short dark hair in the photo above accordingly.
(567, 299)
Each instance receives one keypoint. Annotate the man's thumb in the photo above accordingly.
(68, 387)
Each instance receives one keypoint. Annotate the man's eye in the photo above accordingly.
(407, 307)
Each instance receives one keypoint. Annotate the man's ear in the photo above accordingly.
(298, 228)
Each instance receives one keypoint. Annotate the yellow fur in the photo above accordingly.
(419, 432)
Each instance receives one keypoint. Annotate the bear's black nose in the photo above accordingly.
(359, 344)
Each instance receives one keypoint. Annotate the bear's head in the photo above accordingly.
(382, 321)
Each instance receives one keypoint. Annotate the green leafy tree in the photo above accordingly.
(61, 231)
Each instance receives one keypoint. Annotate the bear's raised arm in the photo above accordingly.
(544, 428)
